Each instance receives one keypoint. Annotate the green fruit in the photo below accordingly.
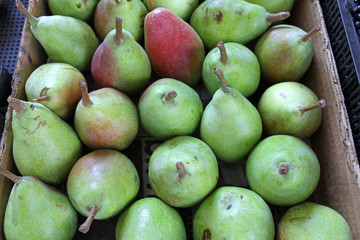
(238, 64)
(233, 213)
(283, 170)
(150, 219)
(309, 221)
(183, 171)
(182, 8)
(80, 9)
(44, 146)
(170, 108)
(230, 124)
(275, 6)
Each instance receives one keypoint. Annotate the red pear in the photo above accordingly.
(174, 48)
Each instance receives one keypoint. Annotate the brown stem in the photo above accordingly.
(84, 92)
(274, 17)
(283, 169)
(221, 77)
(308, 35)
(119, 34)
(181, 171)
(84, 228)
(41, 99)
(32, 20)
(16, 104)
(223, 54)
(152, 4)
(9, 175)
(85, 3)
(320, 104)
(169, 97)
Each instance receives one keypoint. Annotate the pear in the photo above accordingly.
(37, 211)
(182, 8)
(106, 118)
(230, 124)
(132, 11)
(313, 221)
(150, 219)
(120, 62)
(80, 9)
(275, 6)
(231, 21)
(233, 213)
(290, 108)
(239, 65)
(55, 86)
(285, 53)
(170, 108)
(183, 171)
(101, 184)
(174, 48)
(44, 146)
(65, 39)
(283, 170)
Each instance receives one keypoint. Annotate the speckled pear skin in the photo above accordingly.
(103, 178)
(80, 9)
(182, 8)
(57, 81)
(122, 64)
(36, 211)
(132, 12)
(313, 221)
(150, 219)
(233, 213)
(275, 6)
(44, 145)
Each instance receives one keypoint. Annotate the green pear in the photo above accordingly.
(132, 11)
(150, 219)
(283, 170)
(55, 86)
(233, 213)
(183, 171)
(80, 9)
(120, 62)
(182, 8)
(313, 221)
(169, 108)
(239, 65)
(106, 118)
(101, 184)
(275, 6)
(290, 108)
(231, 21)
(230, 124)
(65, 39)
(44, 146)
(36, 211)
(285, 53)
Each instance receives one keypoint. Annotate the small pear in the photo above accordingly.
(182, 8)
(285, 53)
(230, 124)
(44, 145)
(37, 211)
(120, 62)
(275, 6)
(101, 184)
(55, 86)
(65, 39)
(80, 9)
(132, 11)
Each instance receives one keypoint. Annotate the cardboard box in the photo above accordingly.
(339, 186)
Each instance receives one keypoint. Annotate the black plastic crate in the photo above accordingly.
(342, 18)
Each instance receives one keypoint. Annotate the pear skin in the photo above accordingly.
(182, 8)
(80, 9)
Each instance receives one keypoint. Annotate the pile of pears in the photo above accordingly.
(119, 69)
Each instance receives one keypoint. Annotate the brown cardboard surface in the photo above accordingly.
(340, 177)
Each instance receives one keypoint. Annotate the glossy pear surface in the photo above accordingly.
(150, 219)
(80, 9)
(182, 8)
(275, 6)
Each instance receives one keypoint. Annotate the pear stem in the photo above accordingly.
(85, 95)
(41, 99)
(320, 104)
(152, 4)
(308, 35)
(85, 3)
(9, 175)
(221, 77)
(16, 104)
(181, 171)
(32, 20)
(223, 54)
(85, 227)
(119, 34)
(274, 17)
(283, 169)
(169, 97)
